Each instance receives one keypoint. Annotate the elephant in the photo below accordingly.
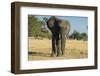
(60, 29)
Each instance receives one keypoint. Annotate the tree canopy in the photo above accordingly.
(79, 36)
(36, 27)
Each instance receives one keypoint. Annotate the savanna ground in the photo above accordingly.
(41, 49)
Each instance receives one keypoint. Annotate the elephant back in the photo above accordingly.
(65, 24)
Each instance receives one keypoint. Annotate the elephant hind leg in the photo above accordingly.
(63, 48)
(63, 41)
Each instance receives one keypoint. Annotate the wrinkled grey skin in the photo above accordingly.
(60, 30)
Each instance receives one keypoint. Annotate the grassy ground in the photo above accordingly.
(41, 49)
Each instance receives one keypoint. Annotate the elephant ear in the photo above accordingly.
(50, 23)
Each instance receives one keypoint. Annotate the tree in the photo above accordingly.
(34, 26)
(84, 36)
(75, 35)
(45, 19)
(78, 36)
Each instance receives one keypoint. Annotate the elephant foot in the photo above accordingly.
(56, 55)
(62, 53)
(53, 55)
(59, 55)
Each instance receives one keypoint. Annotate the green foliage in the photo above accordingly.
(84, 36)
(78, 36)
(45, 19)
(33, 26)
(36, 28)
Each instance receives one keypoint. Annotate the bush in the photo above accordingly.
(78, 36)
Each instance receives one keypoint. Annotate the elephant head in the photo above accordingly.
(60, 29)
(53, 21)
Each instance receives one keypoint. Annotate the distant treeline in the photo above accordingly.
(79, 36)
(37, 29)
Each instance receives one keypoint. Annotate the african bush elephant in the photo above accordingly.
(60, 30)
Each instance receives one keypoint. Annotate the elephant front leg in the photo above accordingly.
(53, 47)
(58, 44)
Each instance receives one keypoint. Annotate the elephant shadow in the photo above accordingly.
(39, 54)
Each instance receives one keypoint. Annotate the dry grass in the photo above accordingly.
(41, 49)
